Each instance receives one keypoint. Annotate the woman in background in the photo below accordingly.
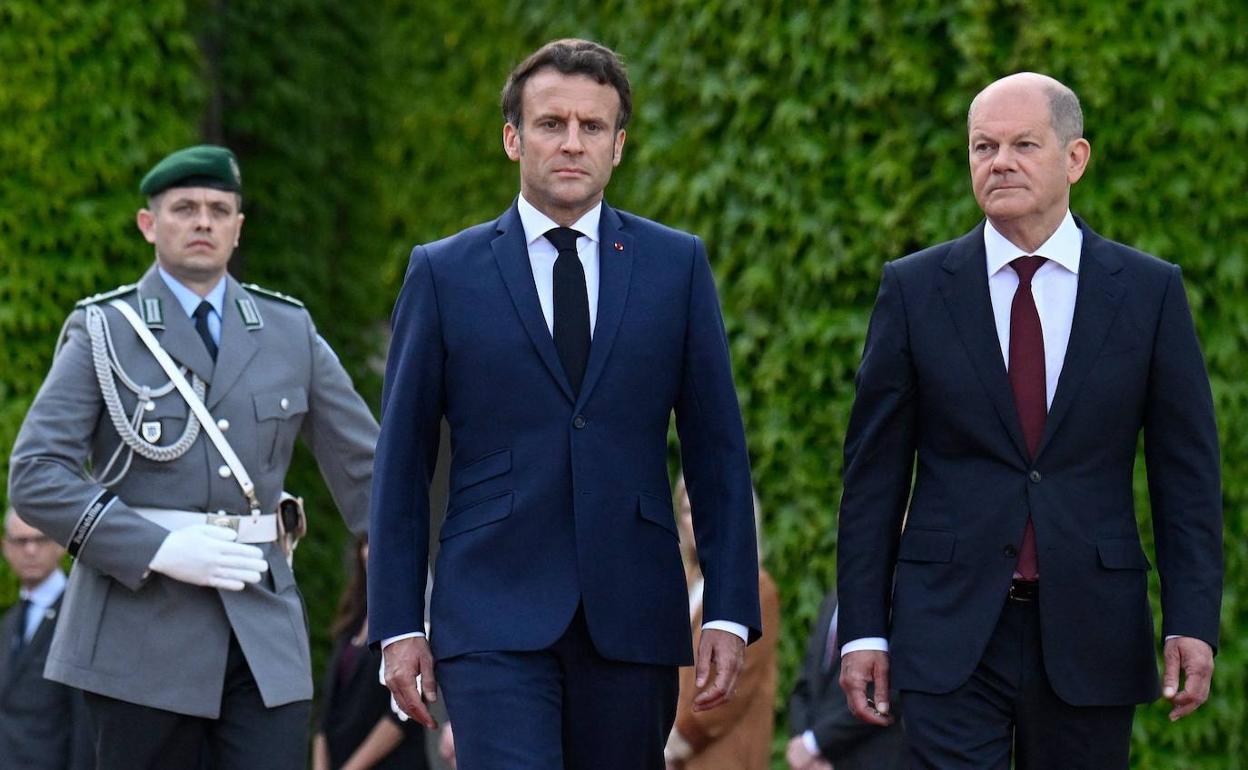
(357, 729)
(736, 735)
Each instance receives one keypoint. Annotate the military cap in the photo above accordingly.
(204, 165)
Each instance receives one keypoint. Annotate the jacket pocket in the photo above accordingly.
(477, 515)
(1122, 553)
(494, 464)
(927, 545)
(657, 510)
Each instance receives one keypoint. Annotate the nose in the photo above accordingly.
(203, 220)
(1003, 160)
(572, 139)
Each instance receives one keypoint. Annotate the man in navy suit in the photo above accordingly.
(1002, 585)
(557, 341)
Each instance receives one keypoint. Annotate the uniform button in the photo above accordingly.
(224, 472)
(1035, 477)
(579, 422)
(149, 405)
(284, 403)
(1010, 551)
(223, 424)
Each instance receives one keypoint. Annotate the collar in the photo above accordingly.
(46, 593)
(189, 300)
(1062, 247)
(536, 224)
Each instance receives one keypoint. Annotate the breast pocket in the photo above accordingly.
(279, 413)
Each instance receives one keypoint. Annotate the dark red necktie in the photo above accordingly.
(1027, 380)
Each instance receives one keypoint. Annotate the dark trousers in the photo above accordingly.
(1007, 706)
(562, 707)
(246, 736)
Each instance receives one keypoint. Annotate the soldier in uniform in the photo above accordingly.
(182, 620)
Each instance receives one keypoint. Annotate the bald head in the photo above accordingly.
(1065, 114)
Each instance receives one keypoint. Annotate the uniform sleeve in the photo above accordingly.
(342, 434)
(48, 481)
(715, 460)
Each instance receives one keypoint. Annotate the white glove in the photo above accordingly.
(205, 555)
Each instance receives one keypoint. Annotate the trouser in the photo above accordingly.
(246, 735)
(562, 707)
(1008, 707)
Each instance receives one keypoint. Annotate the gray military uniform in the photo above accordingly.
(143, 637)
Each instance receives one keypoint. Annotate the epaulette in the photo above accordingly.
(273, 294)
(120, 291)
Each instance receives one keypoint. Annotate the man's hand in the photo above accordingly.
(1195, 659)
(798, 756)
(206, 555)
(402, 662)
(725, 651)
(862, 668)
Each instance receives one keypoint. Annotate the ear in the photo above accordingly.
(1078, 153)
(619, 147)
(239, 232)
(513, 145)
(146, 221)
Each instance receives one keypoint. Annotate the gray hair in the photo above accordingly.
(1065, 114)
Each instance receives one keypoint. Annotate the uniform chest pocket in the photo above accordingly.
(279, 413)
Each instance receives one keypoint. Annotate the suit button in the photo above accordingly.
(1035, 477)
(579, 422)
(1010, 551)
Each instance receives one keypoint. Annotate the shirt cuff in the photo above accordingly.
(392, 639)
(736, 629)
(878, 643)
(812, 746)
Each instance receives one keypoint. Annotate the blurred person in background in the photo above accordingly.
(738, 735)
(357, 729)
(825, 734)
(43, 725)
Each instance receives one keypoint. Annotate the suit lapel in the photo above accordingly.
(615, 271)
(179, 338)
(1097, 300)
(511, 252)
(237, 347)
(964, 287)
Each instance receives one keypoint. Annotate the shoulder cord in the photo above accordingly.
(104, 359)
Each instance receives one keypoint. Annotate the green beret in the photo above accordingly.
(204, 165)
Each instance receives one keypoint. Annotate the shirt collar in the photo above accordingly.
(46, 593)
(536, 224)
(1062, 247)
(189, 300)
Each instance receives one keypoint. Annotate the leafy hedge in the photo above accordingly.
(807, 142)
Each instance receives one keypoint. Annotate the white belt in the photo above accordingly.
(250, 529)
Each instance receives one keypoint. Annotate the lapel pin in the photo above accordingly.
(619, 246)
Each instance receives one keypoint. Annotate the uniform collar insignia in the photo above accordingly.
(251, 314)
(153, 313)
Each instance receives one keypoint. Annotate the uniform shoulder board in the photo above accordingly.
(120, 291)
(273, 294)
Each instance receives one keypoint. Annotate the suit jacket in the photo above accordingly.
(933, 386)
(736, 735)
(559, 499)
(43, 725)
(818, 704)
(146, 638)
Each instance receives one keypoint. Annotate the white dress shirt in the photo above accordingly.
(542, 255)
(1053, 286)
(41, 597)
(189, 300)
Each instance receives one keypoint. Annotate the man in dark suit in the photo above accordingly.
(43, 724)
(557, 341)
(1002, 584)
(825, 735)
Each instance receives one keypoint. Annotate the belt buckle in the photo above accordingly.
(223, 520)
(1021, 593)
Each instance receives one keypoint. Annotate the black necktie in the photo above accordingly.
(19, 633)
(201, 326)
(571, 306)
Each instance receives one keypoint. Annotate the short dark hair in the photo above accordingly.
(570, 57)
